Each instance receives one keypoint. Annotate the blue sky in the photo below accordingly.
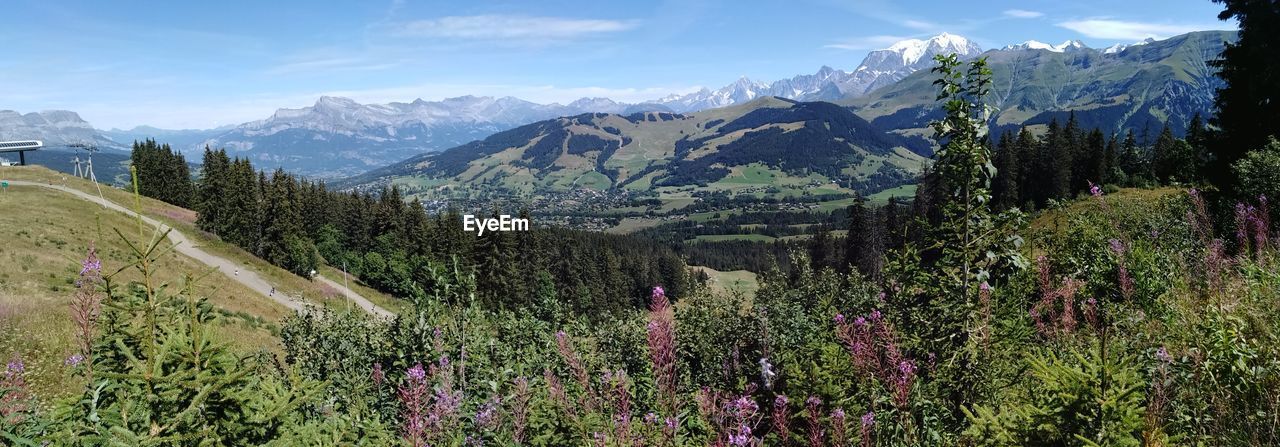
(201, 64)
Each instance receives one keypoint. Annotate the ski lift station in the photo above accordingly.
(21, 147)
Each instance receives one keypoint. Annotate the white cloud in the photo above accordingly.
(866, 43)
(1126, 30)
(330, 64)
(511, 27)
(1022, 14)
(919, 25)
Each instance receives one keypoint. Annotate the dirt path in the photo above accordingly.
(227, 267)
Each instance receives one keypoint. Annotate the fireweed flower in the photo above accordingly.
(868, 424)
(661, 338)
(838, 436)
(781, 417)
(1162, 354)
(74, 360)
(902, 382)
(416, 373)
(414, 397)
(813, 405)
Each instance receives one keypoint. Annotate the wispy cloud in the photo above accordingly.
(536, 93)
(1104, 28)
(331, 64)
(920, 25)
(1022, 14)
(866, 42)
(511, 27)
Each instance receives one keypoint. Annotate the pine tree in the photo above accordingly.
(1077, 144)
(1005, 187)
(1164, 155)
(893, 225)
(1111, 162)
(1095, 165)
(1032, 168)
(862, 249)
(211, 205)
(1131, 160)
(1249, 104)
(1060, 164)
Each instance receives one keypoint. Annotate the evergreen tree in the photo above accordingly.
(212, 206)
(1096, 167)
(1033, 168)
(1248, 106)
(1131, 161)
(893, 225)
(862, 249)
(1164, 155)
(1111, 162)
(1005, 188)
(1060, 162)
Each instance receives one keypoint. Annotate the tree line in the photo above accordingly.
(163, 173)
(1065, 160)
(395, 246)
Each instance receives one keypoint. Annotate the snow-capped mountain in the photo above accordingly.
(1070, 45)
(1121, 47)
(53, 127)
(878, 68)
(890, 65)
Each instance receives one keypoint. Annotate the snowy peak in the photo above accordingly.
(912, 51)
(879, 68)
(1070, 45)
(1121, 47)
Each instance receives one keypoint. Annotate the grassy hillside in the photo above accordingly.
(766, 148)
(1163, 82)
(47, 233)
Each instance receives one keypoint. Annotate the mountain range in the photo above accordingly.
(1138, 88)
(1121, 87)
(54, 127)
(724, 149)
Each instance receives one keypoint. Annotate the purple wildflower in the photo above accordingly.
(817, 437)
(416, 373)
(838, 436)
(74, 360)
(868, 424)
(781, 417)
(15, 367)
